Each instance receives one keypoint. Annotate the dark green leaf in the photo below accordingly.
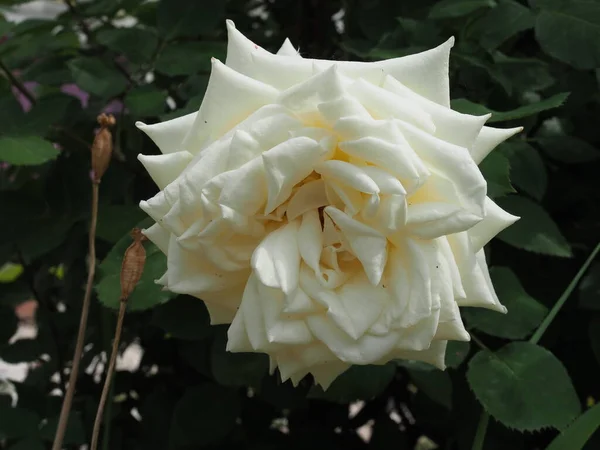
(524, 386)
(137, 44)
(357, 383)
(468, 107)
(183, 317)
(17, 422)
(502, 22)
(594, 333)
(490, 69)
(524, 312)
(186, 18)
(436, 384)
(527, 168)
(147, 293)
(458, 8)
(236, 369)
(589, 289)
(146, 101)
(570, 31)
(495, 169)
(535, 231)
(525, 74)
(115, 221)
(8, 324)
(26, 150)
(197, 354)
(205, 415)
(97, 77)
(187, 58)
(30, 443)
(74, 434)
(568, 149)
(456, 353)
(23, 350)
(578, 433)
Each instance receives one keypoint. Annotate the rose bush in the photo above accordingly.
(332, 212)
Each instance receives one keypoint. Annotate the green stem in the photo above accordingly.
(563, 298)
(485, 417)
(479, 343)
(481, 431)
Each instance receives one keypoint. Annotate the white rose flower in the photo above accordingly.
(332, 212)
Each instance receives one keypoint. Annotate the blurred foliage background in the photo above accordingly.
(533, 63)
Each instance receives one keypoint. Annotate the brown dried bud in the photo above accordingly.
(102, 147)
(133, 264)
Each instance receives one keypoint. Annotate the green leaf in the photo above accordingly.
(568, 149)
(524, 312)
(436, 384)
(456, 353)
(491, 70)
(8, 324)
(96, 77)
(594, 334)
(115, 221)
(236, 369)
(589, 289)
(183, 317)
(524, 386)
(9, 272)
(357, 383)
(74, 434)
(26, 150)
(205, 415)
(500, 23)
(30, 443)
(495, 169)
(146, 101)
(466, 106)
(525, 74)
(137, 44)
(579, 432)
(17, 422)
(570, 31)
(186, 18)
(458, 8)
(527, 168)
(147, 293)
(23, 350)
(535, 231)
(188, 58)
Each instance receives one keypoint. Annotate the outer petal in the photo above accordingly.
(230, 98)
(159, 236)
(288, 49)
(168, 136)
(452, 126)
(431, 220)
(165, 168)
(495, 220)
(489, 138)
(426, 73)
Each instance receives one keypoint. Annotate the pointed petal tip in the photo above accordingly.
(230, 24)
(141, 125)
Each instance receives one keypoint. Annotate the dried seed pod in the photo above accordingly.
(133, 264)
(102, 147)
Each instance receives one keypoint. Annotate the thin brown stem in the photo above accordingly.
(17, 83)
(68, 400)
(109, 375)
